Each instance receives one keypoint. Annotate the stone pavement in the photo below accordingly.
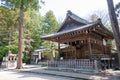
(107, 75)
(113, 75)
(61, 73)
(14, 75)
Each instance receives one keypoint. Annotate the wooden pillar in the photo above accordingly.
(75, 53)
(89, 49)
(66, 55)
(59, 51)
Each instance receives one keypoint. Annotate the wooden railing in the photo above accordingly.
(81, 64)
(99, 56)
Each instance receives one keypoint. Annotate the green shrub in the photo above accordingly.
(26, 58)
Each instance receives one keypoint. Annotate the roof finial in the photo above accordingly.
(99, 19)
(69, 12)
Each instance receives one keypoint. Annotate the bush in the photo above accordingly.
(3, 52)
(26, 59)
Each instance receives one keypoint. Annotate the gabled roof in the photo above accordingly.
(74, 17)
(103, 31)
(77, 18)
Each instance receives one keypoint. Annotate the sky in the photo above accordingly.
(80, 7)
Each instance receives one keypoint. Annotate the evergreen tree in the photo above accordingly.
(50, 23)
(8, 28)
(22, 5)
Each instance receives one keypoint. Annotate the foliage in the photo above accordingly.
(33, 26)
(33, 4)
(8, 25)
(23, 5)
(32, 29)
(50, 23)
(3, 51)
(8, 22)
(117, 9)
(26, 58)
(35, 29)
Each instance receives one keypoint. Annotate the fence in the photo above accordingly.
(76, 64)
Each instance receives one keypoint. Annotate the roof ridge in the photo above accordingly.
(74, 16)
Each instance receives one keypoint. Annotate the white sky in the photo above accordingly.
(80, 7)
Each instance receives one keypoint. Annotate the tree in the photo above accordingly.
(32, 32)
(103, 15)
(50, 23)
(117, 9)
(8, 20)
(22, 5)
(115, 26)
(8, 23)
(35, 29)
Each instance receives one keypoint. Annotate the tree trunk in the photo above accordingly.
(115, 26)
(19, 62)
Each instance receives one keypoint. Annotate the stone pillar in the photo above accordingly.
(96, 66)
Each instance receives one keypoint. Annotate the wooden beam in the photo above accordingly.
(73, 38)
(102, 31)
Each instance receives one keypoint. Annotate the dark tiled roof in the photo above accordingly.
(75, 18)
